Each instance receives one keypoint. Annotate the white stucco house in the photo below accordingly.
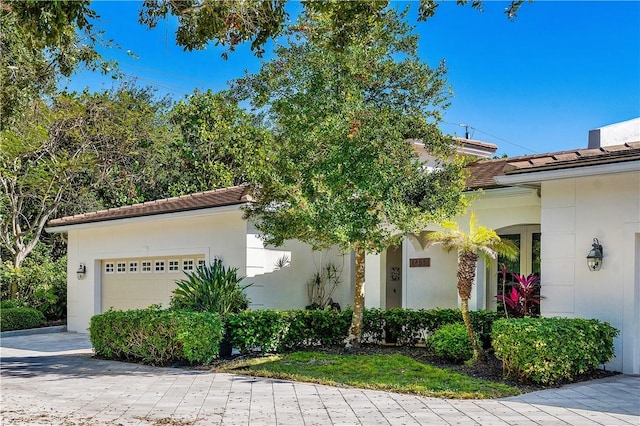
(552, 205)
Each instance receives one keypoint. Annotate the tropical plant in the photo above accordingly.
(322, 285)
(523, 297)
(479, 242)
(213, 288)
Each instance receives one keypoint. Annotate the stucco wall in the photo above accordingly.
(211, 233)
(435, 286)
(574, 211)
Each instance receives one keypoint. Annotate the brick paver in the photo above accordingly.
(53, 379)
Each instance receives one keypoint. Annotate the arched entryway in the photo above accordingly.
(527, 238)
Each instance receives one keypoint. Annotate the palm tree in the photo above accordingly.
(480, 242)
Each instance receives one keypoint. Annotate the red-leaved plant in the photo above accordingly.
(523, 297)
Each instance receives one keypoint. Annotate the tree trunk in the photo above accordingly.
(357, 320)
(467, 323)
(466, 274)
(17, 261)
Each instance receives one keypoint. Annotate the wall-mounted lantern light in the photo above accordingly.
(82, 270)
(594, 258)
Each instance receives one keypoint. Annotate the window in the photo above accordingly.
(174, 266)
(159, 266)
(187, 264)
(133, 267)
(108, 268)
(201, 262)
(121, 267)
(146, 266)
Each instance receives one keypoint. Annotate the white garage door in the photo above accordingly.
(136, 283)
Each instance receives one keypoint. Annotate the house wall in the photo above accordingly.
(286, 287)
(436, 285)
(574, 211)
(206, 233)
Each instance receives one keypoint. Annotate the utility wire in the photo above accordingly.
(493, 136)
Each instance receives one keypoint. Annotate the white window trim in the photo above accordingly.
(106, 267)
(155, 266)
(193, 265)
(137, 266)
(142, 271)
(176, 266)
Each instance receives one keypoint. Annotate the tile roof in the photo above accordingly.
(482, 173)
(202, 200)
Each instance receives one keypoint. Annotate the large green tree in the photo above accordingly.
(60, 152)
(218, 145)
(343, 169)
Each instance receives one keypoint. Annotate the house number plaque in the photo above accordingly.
(420, 262)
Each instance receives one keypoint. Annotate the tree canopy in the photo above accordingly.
(344, 120)
(230, 23)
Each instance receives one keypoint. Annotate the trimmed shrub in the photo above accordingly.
(8, 303)
(157, 337)
(20, 318)
(410, 327)
(550, 350)
(276, 331)
(451, 342)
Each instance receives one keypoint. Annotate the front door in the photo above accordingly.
(394, 277)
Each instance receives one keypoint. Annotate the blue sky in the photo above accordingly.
(537, 84)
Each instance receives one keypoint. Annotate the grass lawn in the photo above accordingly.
(389, 372)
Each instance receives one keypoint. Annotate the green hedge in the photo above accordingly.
(157, 337)
(410, 327)
(276, 331)
(20, 318)
(550, 350)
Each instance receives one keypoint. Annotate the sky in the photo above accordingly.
(536, 84)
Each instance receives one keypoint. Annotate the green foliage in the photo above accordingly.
(68, 149)
(220, 145)
(277, 331)
(214, 288)
(230, 23)
(451, 342)
(157, 337)
(551, 350)
(8, 303)
(41, 41)
(410, 327)
(20, 318)
(41, 283)
(344, 110)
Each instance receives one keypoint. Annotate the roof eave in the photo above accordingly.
(531, 177)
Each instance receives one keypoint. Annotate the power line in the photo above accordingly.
(467, 127)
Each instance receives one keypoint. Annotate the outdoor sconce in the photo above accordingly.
(594, 258)
(82, 270)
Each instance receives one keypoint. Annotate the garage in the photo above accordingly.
(134, 283)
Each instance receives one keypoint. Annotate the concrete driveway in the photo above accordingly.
(53, 379)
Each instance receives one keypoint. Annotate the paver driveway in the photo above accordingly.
(53, 379)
